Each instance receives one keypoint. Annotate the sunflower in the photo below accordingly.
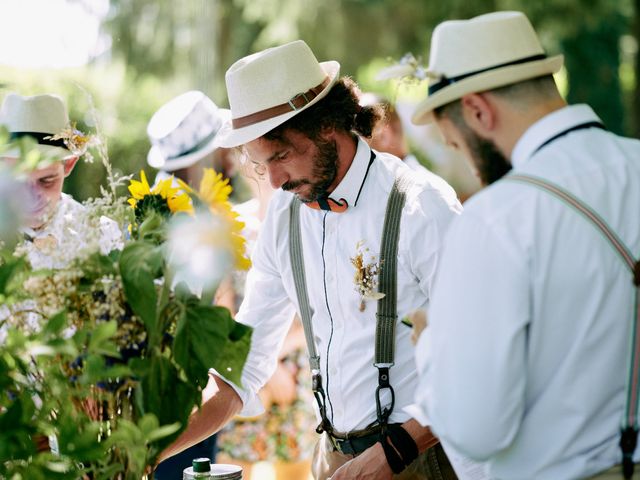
(214, 192)
(163, 198)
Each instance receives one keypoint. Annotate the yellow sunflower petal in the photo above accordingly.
(139, 189)
(180, 203)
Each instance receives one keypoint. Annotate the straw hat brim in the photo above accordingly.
(156, 159)
(481, 82)
(229, 137)
(46, 150)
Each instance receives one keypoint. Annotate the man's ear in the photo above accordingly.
(68, 164)
(328, 133)
(479, 113)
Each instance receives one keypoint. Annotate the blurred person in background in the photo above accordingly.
(388, 135)
(56, 225)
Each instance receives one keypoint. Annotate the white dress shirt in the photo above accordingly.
(69, 235)
(344, 334)
(525, 357)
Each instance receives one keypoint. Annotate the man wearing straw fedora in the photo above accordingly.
(527, 361)
(56, 227)
(182, 134)
(320, 253)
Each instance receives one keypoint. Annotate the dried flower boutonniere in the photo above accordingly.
(366, 275)
(408, 69)
(76, 141)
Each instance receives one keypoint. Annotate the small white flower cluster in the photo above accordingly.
(72, 234)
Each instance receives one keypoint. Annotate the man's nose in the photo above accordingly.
(277, 175)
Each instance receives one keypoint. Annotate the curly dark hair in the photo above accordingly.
(338, 110)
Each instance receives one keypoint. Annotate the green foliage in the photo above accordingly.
(140, 263)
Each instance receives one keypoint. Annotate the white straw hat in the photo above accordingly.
(268, 88)
(481, 54)
(38, 117)
(184, 131)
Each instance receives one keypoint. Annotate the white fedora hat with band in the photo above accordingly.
(184, 130)
(268, 88)
(38, 117)
(480, 54)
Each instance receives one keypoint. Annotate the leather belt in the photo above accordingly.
(356, 442)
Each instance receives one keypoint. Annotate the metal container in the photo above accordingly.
(202, 469)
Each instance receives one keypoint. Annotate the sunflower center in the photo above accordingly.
(151, 203)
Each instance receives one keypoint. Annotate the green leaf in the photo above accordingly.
(207, 337)
(231, 360)
(8, 271)
(140, 264)
(80, 442)
(99, 341)
(162, 392)
(55, 325)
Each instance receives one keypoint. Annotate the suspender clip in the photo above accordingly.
(628, 443)
(383, 384)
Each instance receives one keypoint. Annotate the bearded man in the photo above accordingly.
(319, 253)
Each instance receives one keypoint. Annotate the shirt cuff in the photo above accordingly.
(251, 404)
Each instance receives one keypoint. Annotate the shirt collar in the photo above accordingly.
(548, 126)
(350, 186)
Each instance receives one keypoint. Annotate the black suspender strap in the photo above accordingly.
(629, 429)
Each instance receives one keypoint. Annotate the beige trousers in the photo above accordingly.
(430, 465)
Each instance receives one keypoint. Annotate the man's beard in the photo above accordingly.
(491, 164)
(324, 172)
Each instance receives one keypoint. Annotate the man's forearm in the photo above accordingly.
(220, 403)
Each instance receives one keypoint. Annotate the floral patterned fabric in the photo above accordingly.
(281, 433)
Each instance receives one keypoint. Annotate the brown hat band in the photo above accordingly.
(296, 103)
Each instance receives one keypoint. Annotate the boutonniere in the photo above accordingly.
(366, 275)
(46, 245)
(76, 141)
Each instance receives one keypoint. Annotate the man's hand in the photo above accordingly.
(418, 319)
(370, 465)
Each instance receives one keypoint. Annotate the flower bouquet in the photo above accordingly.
(106, 356)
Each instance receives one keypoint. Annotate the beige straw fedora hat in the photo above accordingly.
(480, 54)
(268, 88)
(183, 131)
(38, 117)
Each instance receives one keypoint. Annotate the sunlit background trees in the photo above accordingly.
(127, 57)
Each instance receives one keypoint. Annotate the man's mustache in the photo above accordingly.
(294, 184)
